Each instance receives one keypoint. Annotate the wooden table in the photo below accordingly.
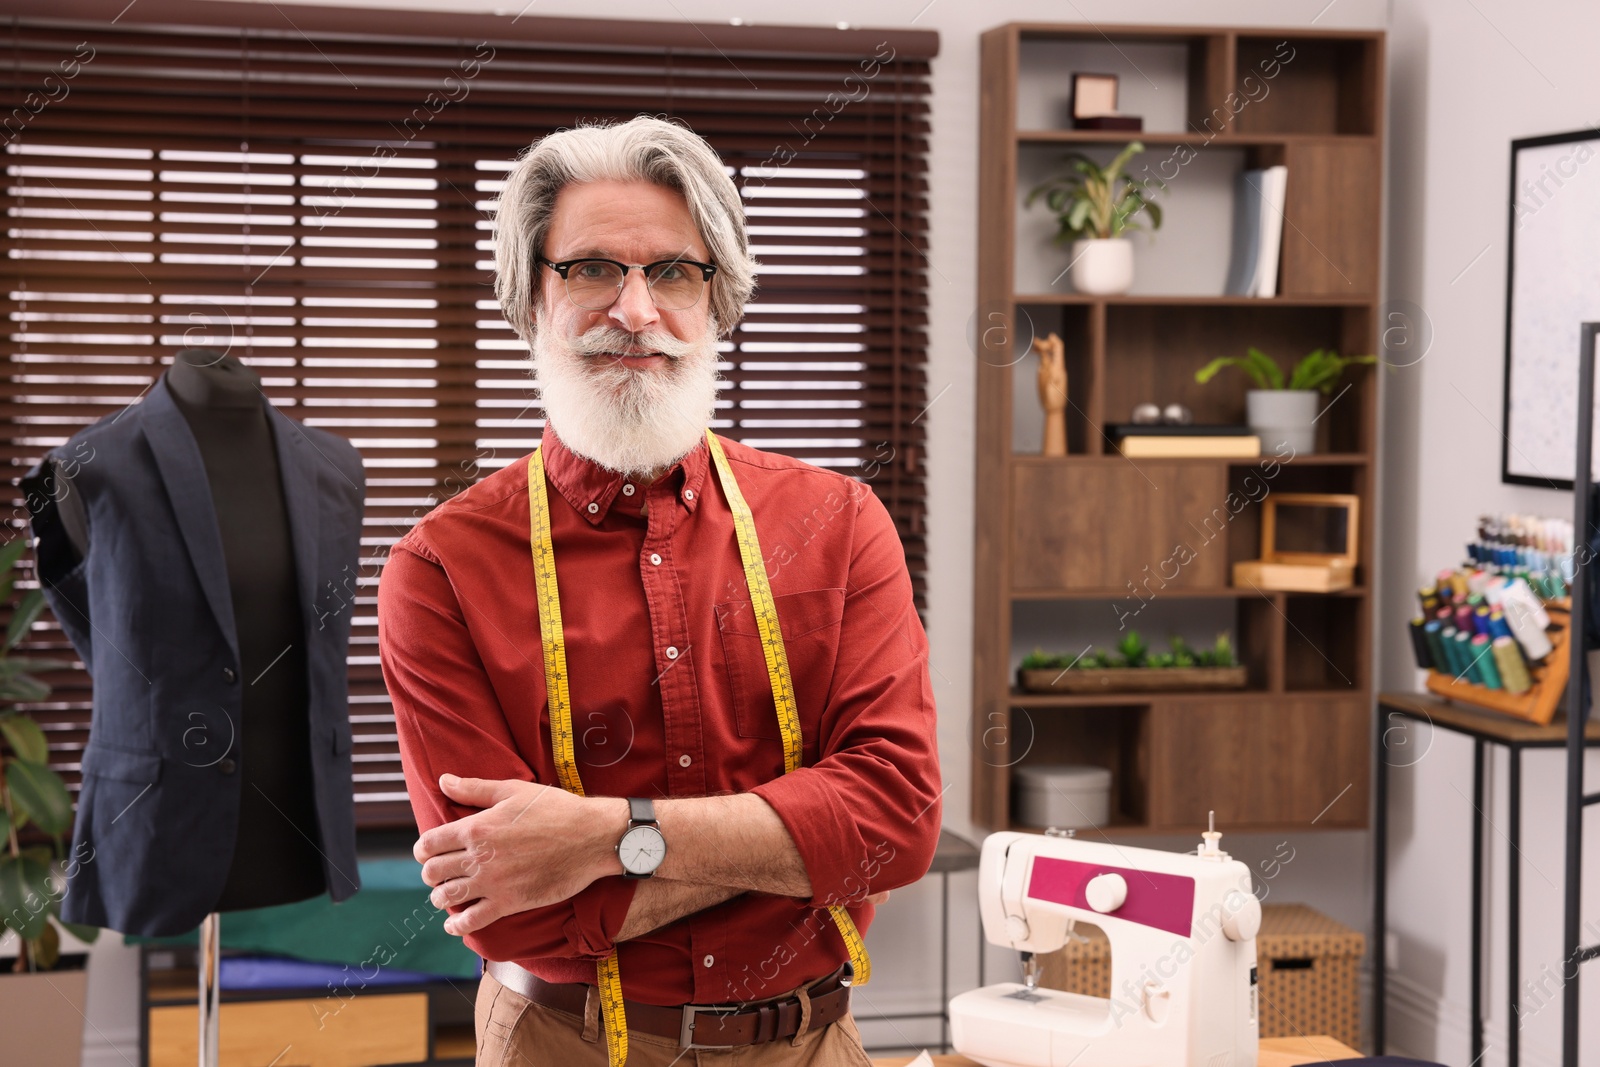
(1275, 1052)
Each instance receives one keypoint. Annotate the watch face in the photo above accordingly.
(642, 849)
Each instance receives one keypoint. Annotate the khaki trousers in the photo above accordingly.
(513, 1031)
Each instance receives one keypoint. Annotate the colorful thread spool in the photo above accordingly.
(1513, 673)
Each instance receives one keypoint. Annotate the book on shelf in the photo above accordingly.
(1258, 200)
(1110, 122)
(1202, 446)
(1118, 430)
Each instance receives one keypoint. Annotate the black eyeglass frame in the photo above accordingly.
(707, 271)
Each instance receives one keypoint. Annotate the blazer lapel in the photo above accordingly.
(300, 469)
(183, 471)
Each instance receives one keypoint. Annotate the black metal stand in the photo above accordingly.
(1485, 728)
(1578, 701)
(953, 854)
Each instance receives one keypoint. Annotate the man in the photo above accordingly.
(621, 257)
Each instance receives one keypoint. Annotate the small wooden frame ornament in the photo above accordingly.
(1295, 570)
(1094, 95)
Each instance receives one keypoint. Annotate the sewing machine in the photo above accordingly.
(1182, 929)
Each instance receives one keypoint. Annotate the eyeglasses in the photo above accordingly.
(595, 284)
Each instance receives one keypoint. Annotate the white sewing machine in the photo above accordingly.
(1183, 956)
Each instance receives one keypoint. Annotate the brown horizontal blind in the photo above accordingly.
(320, 206)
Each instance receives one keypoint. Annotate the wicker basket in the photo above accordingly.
(1309, 967)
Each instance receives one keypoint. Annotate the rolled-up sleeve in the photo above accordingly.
(866, 816)
(449, 720)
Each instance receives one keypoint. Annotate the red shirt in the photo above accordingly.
(671, 698)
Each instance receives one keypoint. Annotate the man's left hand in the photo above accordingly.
(532, 845)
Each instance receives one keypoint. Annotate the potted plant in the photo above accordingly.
(1284, 413)
(1135, 668)
(1094, 207)
(33, 796)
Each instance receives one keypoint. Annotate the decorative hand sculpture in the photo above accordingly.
(1053, 392)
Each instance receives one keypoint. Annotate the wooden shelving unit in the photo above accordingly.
(1057, 536)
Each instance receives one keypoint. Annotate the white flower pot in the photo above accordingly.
(1283, 417)
(42, 1016)
(1102, 266)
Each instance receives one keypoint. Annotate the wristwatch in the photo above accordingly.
(642, 847)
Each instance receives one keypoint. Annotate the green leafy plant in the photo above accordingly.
(1218, 655)
(1319, 369)
(30, 792)
(1133, 652)
(1182, 655)
(1094, 201)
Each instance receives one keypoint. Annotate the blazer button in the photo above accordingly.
(227, 766)
(228, 675)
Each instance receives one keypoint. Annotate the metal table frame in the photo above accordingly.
(954, 854)
(1485, 728)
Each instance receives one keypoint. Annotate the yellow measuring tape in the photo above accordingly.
(560, 698)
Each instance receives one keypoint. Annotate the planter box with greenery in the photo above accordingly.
(1134, 669)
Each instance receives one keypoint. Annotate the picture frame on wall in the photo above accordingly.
(1553, 259)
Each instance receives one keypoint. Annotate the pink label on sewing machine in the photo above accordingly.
(1163, 901)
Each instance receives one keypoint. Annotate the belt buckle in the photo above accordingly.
(686, 1028)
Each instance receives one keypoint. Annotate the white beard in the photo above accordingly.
(627, 420)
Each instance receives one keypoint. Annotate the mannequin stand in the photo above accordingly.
(210, 989)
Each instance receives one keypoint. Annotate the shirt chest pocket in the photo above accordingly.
(809, 621)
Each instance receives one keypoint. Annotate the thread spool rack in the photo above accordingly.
(1538, 704)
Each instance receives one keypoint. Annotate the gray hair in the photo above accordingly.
(641, 149)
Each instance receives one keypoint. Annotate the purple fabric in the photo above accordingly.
(276, 972)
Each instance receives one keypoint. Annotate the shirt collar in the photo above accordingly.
(591, 488)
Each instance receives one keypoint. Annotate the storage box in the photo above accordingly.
(1308, 544)
(1066, 795)
(1308, 964)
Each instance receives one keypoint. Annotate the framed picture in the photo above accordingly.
(1553, 262)
(1094, 95)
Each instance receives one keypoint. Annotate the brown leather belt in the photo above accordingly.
(694, 1025)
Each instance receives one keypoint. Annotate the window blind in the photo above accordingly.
(315, 196)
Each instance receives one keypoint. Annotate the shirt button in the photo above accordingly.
(227, 766)
(688, 494)
(655, 559)
(593, 508)
(627, 489)
(672, 651)
(709, 960)
(683, 760)
(228, 675)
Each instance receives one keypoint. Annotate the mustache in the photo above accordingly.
(609, 340)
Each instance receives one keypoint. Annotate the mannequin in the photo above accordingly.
(187, 546)
(276, 860)
(278, 856)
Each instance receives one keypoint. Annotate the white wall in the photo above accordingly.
(1466, 79)
(1460, 91)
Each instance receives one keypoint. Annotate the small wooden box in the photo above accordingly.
(1309, 967)
(1284, 568)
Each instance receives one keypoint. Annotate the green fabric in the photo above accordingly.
(389, 923)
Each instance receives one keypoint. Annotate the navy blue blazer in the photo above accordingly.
(150, 612)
